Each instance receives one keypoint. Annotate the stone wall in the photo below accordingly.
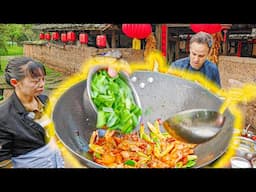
(236, 71)
(68, 59)
(242, 69)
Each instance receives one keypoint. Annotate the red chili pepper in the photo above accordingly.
(254, 137)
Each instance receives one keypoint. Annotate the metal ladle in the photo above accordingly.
(194, 126)
(201, 125)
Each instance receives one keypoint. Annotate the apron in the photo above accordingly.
(47, 156)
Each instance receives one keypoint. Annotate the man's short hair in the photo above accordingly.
(202, 37)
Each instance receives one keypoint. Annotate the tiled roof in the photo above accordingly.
(63, 27)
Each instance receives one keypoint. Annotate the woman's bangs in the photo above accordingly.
(36, 70)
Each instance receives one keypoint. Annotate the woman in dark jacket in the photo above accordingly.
(23, 137)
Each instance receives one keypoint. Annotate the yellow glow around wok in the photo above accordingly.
(153, 61)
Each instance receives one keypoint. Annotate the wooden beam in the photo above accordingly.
(178, 25)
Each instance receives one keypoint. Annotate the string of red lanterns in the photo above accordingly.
(71, 36)
(136, 31)
(63, 37)
(47, 36)
(101, 41)
(41, 36)
(83, 38)
(55, 36)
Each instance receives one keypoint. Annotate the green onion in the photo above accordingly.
(130, 162)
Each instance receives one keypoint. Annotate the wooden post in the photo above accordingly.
(225, 48)
(225, 43)
(113, 39)
(158, 36)
(177, 48)
(171, 52)
(254, 48)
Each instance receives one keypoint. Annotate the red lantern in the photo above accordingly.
(139, 31)
(71, 36)
(101, 41)
(208, 28)
(83, 38)
(48, 36)
(41, 36)
(64, 37)
(55, 36)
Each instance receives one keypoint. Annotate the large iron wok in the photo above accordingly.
(161, 96)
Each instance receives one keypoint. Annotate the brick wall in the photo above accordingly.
(68, 59)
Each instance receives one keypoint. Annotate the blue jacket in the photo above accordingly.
(209, 69)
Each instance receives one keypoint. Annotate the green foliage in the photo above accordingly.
(3, 50)
(3, 63)
(14, 31)
(14, 50)
(15, 34)
(3, 39)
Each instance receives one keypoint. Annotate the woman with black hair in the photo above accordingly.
(23, 136)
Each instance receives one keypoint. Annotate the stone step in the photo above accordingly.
(4, 85)
(53, 81)
(54, 76)
(51, 87)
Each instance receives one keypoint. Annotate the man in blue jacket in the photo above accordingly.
(200, 47)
